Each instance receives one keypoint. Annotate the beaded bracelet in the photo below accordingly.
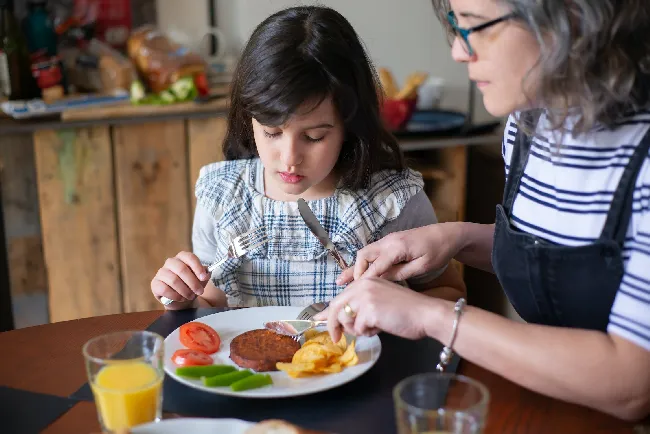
(447, 352)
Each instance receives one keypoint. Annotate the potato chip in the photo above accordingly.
(312, 353)
(333, 350)
(349, 357)
(310, 334)
(319, 355)
(288, 367)
(331, 369)
(320, 338)
(342, 343)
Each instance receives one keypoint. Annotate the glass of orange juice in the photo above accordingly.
(125, 372)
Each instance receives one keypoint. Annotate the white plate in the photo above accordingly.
(235, 322)
(194, 426)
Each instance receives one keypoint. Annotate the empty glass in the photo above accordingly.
(439, 403)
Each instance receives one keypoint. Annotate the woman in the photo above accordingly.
(571, 242)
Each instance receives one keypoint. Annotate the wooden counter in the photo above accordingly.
(97, 200)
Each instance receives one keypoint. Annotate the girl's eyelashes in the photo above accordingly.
(314, 140)
(272, 135)
(307, 137)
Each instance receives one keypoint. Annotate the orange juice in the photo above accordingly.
(127, 394)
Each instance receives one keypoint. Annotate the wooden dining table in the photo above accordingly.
(47, 359)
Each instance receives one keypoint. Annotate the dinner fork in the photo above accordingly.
(311, 310)
(238, 246)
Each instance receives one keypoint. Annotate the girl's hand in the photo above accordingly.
(181, 279)
(379, 305)
(402, 255)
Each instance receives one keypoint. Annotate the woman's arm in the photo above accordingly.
(595, 369)
(474, 244)
(408, 253)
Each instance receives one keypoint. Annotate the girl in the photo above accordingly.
(571, 241)
(303, 122)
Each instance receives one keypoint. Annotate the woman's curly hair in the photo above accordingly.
(595, 56)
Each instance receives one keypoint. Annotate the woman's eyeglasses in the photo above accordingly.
(464, 33)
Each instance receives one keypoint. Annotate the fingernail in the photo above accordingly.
(203, 276)
(199, 291)
(339, 281)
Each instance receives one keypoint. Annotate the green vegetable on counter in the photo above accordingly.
(226, 379)
(204, 371)
(138, 92)
(184, 89)
(166, 97)
(252, 382)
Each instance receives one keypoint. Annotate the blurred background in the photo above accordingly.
(110, 107)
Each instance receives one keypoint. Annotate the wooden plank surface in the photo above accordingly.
(153, 205)
(448, 193)
(75, 187)
(206, 138)
(21, 215)
(27, 269)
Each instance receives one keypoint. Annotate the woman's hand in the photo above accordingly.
(402, 255)
(181, 279)
(378, 305)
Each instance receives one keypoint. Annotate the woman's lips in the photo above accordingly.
(482, 84)
(290, 178)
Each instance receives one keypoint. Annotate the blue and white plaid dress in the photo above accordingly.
(293, 269)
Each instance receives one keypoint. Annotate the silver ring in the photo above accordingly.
(165, 301)
(349, 311)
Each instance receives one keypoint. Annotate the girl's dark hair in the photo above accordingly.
(304, 54)
(595, 55)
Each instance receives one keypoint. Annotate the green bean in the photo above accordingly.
(204, 371)
(252, 382)
(226, 379)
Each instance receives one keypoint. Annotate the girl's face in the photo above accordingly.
(503, 55)
(299, 156)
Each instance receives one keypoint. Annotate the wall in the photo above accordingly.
(404, 36)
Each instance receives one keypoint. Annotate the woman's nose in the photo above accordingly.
(459, 52)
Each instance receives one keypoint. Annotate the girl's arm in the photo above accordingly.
(204, 244)
(212, 297)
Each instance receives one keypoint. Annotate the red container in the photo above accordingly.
(397, 112)
(114, 19)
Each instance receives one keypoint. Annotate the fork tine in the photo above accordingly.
(265, 239)
(244, 244)
(250, 234)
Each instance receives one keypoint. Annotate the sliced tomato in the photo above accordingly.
(191, 358)
(199, 336)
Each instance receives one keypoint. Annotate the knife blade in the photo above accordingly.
(319, 231)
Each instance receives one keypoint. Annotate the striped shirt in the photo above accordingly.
(564, 196)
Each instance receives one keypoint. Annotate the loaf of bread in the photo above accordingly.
(160, 61)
